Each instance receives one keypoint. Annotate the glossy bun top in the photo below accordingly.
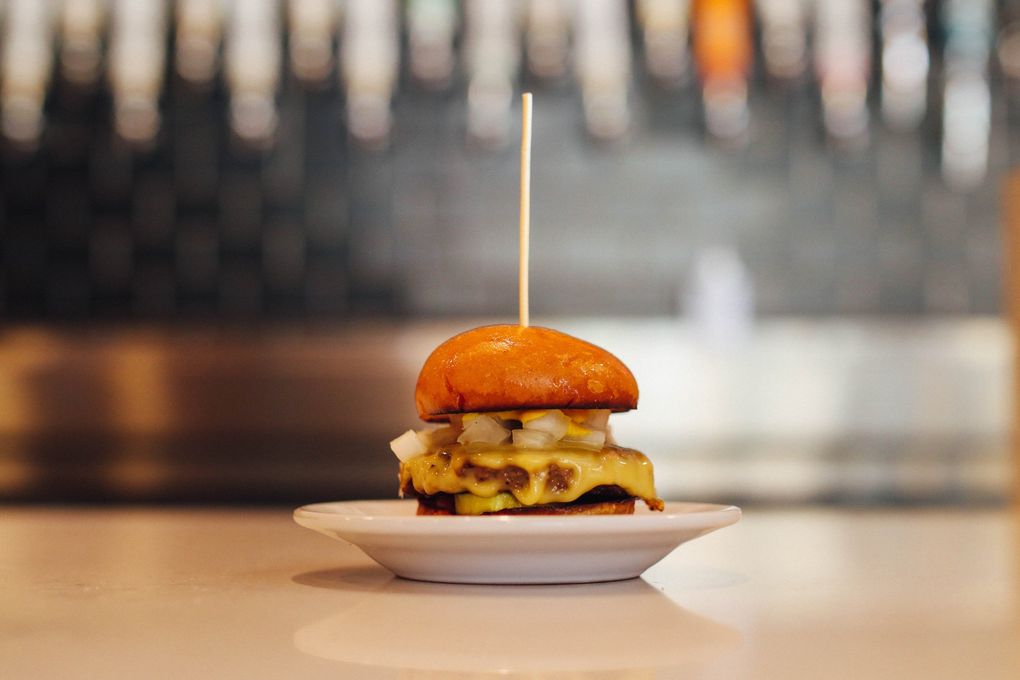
(509, 367)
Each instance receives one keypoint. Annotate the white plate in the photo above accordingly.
(513, 549)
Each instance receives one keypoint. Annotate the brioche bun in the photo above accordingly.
(508, 367)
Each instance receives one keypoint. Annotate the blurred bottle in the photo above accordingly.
(26, 60)
(967, 100)
(603, 66)
(199, 29)
(784, 37)
(905, 63)
(1008, 47)
(431, 30)
(137, 59)
(1008, 54)
(723, 50)
(311, 25)
(252, 63)
(547, 38)
(665, 27)
(81, 40)
(369, 64)
(492, 59)
(842, 65)
(1009, 51)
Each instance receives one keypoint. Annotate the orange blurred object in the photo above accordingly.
(722, 39)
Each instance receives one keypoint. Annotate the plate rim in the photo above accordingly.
(677, 515)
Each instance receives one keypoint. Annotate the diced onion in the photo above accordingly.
(532, 439)
(553, 423)
(598, 419)
(484, 430)
(595, 439)
(438, 437)
(407, 446)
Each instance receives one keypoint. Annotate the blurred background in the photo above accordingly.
(232, 231)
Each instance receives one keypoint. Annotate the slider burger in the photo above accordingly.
(521, 427)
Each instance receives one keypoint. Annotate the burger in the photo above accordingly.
(520, 425)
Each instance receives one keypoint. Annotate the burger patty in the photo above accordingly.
(533, 477)
(607, 499)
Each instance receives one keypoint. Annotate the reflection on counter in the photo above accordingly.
(555, 631)
(801, 594)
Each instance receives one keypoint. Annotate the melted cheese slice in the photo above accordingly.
(553, 476)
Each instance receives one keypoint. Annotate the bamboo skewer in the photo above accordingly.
(525, 211)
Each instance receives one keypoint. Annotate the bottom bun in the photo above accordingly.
(620, 507)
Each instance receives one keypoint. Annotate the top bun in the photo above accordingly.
(508, 367)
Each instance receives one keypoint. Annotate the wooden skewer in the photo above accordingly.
(525, 213)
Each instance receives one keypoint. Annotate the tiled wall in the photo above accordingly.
(198, 228)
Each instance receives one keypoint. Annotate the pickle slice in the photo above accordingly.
(470, 504)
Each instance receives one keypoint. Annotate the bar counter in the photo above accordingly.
(156, 593)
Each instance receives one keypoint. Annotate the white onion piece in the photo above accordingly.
(484, 430)
(532, 439)
(553, 423)
(593, 440)
(438, 437)
(598, 419)
(407, 446)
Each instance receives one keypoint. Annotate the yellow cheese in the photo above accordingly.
(470, 504)
(576, 431)
(549, 475)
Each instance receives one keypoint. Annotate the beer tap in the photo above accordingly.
(665, 29)
(369, 63)
(1007, 47)
(603, 66)
(81, 27)
(252, 68)
(547, 38)
(137, 40)
(967, 99)
(199, 33)
(905, 63)
(842, 65)
(723, 49)
(1008, 51)
(26, 60)
(431, 28)
(784, 37)
(312, 24)
(491, 59)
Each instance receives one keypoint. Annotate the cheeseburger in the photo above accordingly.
(520, 426)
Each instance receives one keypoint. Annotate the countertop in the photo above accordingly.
(152, 593)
